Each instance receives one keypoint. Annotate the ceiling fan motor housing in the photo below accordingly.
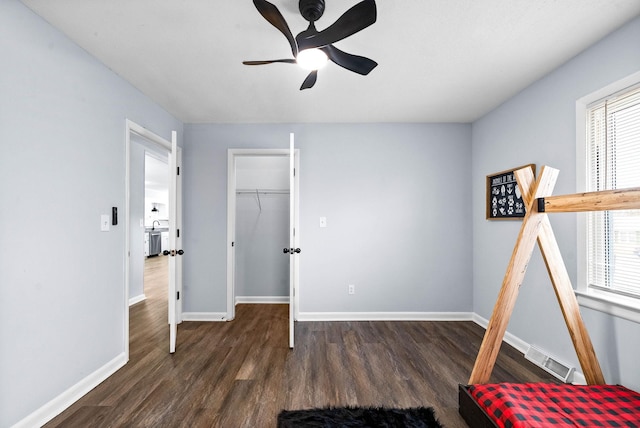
(311, 10)
(355, 19)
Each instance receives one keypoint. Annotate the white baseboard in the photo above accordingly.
(522, 346)
(511, 339)
(137, 299)
(385, 316)
(56, 406)
(262, 299)
(204, 316)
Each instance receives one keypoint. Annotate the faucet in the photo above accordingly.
(153, 225)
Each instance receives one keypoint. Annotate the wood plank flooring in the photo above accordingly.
(242, 373)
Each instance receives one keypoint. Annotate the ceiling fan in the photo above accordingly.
(311, 44)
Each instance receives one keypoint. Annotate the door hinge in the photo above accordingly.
(178, 233)
(233, 244)
(294, 172)
(178, 171)
(177, 295)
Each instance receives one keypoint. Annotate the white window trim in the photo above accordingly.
(608, 303)
(619, 306)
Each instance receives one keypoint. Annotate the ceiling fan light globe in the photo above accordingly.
(311, 59)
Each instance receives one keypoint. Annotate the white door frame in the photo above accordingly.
(232, 155)
(133, 128)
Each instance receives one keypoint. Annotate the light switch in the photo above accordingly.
(323, 222)
(104, 222)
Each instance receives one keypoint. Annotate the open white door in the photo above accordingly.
(175, 241)
(294, 239)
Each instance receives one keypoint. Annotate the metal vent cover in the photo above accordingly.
(550, 364)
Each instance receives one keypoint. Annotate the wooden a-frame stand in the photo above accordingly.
(536, 195)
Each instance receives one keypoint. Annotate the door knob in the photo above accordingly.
(297, 250)
(165, 253)
(180, 252)
(286, 250)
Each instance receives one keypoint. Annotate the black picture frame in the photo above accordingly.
(504, 200)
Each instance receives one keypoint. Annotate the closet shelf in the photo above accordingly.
(263, 191)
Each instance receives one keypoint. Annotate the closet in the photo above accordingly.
(262, 229)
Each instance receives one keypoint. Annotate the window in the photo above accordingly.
(613, 162)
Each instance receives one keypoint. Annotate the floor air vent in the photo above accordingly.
(550, 364)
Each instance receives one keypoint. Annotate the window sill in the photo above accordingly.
(609, 304)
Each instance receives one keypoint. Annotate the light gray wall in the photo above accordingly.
(538, 126)
(262, 172)
(262, 269)
(62, 132)
(395, 197)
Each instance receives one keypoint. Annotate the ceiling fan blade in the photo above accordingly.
(271, 13)
(357, 64)
(271, 61)
(353, 20)
(310, 80)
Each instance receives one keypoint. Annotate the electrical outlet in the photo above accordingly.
(352, 289)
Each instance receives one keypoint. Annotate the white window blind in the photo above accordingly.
(613, 237)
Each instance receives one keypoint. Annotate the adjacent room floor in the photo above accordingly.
(242, 373)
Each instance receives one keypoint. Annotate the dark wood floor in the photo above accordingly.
(242, 373)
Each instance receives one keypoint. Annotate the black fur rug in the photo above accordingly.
(378, 417)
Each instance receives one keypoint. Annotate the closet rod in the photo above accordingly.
(259, 203)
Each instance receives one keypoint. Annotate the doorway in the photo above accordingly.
(262, 229)
(150, 218)
(258, 224)
(146, 210)
(156, 224)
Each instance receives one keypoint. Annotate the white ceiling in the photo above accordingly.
(439, 60)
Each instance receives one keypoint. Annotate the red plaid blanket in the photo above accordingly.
(544, 405)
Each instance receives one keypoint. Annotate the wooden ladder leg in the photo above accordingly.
(514, 275)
